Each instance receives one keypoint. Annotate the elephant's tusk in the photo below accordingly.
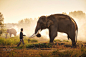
(34, 34)
(31, 36)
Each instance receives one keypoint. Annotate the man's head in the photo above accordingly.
(21, 29)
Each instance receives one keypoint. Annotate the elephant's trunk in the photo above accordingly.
(38, 28)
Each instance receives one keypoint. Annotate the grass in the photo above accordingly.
(9, 41)
(70, 53)
(32, 40)
(65, 41)
(58, 40)
(39, 45)
(14, 41)
(27, 49)
(39, 53)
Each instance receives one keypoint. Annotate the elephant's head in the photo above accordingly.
(42, 23)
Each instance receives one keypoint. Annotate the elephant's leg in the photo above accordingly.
(14, 34)
(10, 34)
(72, 37)
(68, 36)
(73, 43)
(52, 33)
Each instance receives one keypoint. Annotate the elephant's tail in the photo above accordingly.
(76, 33)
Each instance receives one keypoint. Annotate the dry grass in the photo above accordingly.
(35, 49)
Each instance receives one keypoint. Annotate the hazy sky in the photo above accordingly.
(15, 10)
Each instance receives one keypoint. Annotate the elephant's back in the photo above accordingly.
(76, 27)
(12, 30)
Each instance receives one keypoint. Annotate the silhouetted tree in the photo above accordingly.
(77, 14)
(64, 13)
(1, 23)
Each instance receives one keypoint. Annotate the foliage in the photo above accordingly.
(1, 23)
(25, 21)
(77, 14)
(64, 13)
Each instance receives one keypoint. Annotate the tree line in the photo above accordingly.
(28, 21)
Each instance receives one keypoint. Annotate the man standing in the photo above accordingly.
(21, 37)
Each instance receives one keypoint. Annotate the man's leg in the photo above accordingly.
(19, 42)
(23, 41)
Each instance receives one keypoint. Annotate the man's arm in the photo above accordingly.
(24, 35)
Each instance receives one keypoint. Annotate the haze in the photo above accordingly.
(15, 10)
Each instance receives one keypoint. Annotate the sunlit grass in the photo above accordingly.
(57, 40)
(14, 41)
(9, 41)
(65, 41)
(29, 48)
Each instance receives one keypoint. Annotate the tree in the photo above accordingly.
(77, 14)
(21, 22)
(1, 23)
(64, 13)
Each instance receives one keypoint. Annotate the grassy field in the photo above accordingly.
(36, 47)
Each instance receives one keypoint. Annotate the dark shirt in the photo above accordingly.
(21, 35)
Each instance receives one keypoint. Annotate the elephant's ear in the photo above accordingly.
(49, 22)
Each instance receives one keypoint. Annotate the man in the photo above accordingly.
(21, 37)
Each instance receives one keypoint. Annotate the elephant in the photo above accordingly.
(11, 31)
(57, 23)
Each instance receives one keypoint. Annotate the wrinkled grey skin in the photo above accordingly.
(11, 31)
(57, 23)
